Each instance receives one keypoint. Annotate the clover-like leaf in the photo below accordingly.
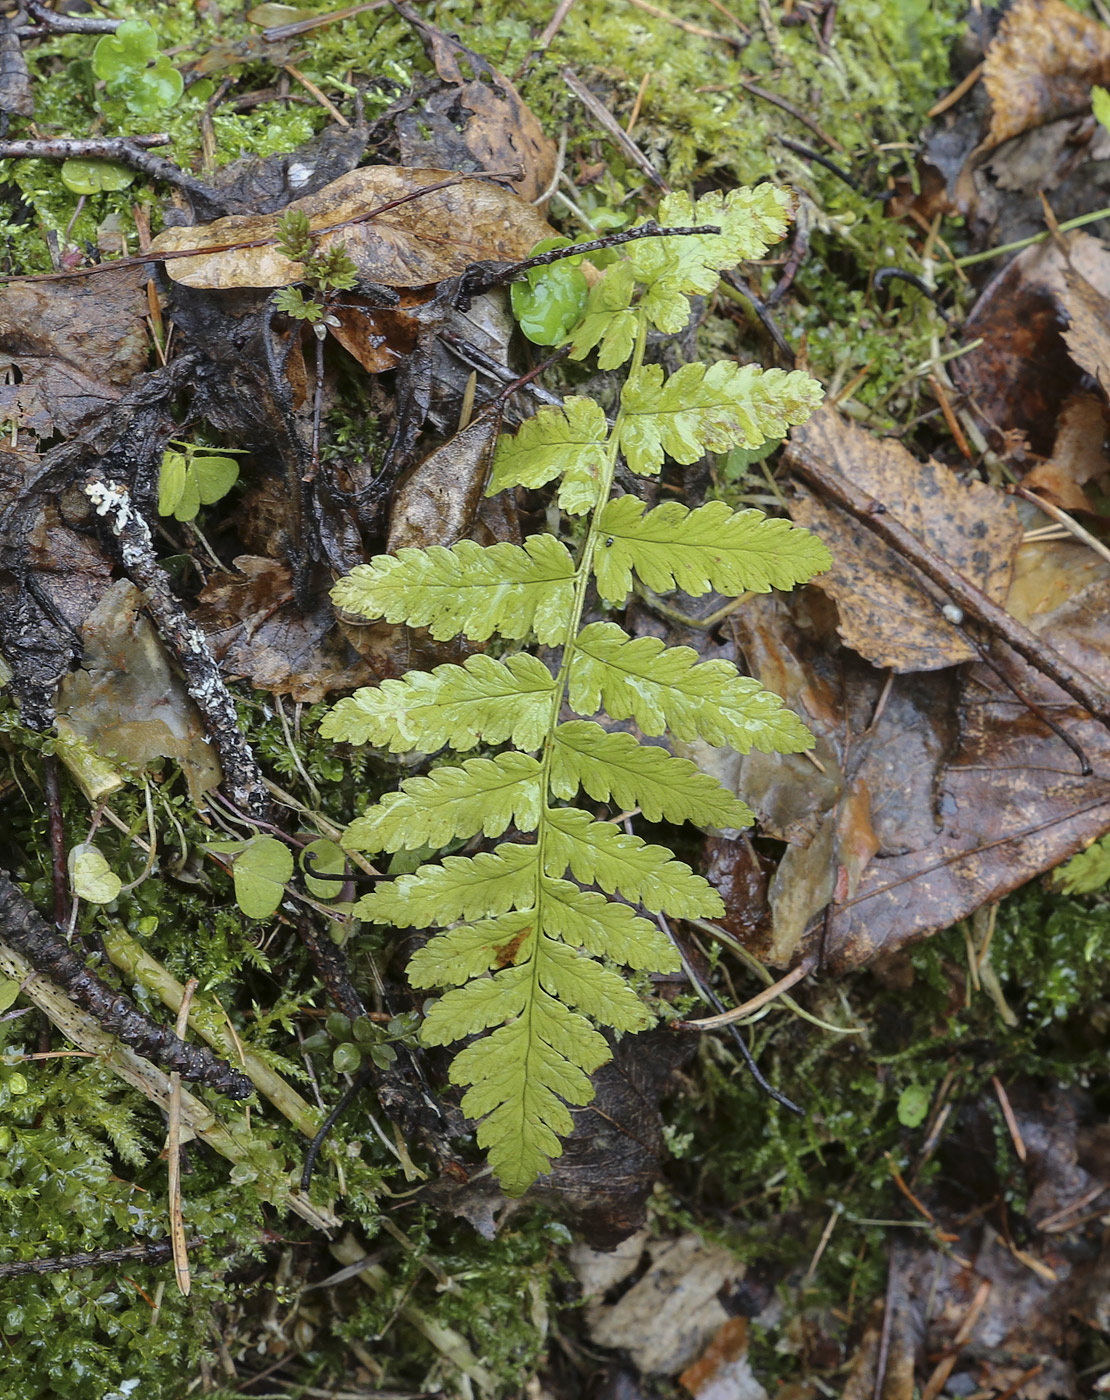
(261, 871)
(90, 875)
(95, 176)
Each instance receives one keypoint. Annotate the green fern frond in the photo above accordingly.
(568, 442)
(463, 887)
(597, 853)
(482, 701)
(483, 794)
(632, 774)
(531, 958)
(667, 688)
(712, 547)
(711, 408)
(468, 590)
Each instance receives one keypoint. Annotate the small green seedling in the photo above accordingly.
(95, 176)
(327, 271)
(260, 869)
(133, 69)
(549, 301)
(191, 477)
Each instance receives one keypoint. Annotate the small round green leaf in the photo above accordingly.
(913, 1106)
(17, 1084)
(9, 990)
(215, 476)
(326, 856)
(261, 872)
(94, 176)
(90, 875)
(346, 1058)
(171, 482)
(127, 51)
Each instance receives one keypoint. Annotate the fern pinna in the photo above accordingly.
(537, 928)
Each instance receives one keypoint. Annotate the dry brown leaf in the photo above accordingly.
(1088, 332)
(76, 345)
(380, 337)
(1041, 66)
(477, 121)
(424, 240)
(438, 501)
(888, 612)
(1079, 456)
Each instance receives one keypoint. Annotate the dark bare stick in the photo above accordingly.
(79, 147)
(960, 590)
(57, 840)
(156, 1252)
(70, 24)
(186, 642)
(23, 928)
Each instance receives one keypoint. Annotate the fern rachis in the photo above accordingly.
(528, 954)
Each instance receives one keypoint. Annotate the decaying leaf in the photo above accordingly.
(438, 501)
(476, 121)
(427, 235)
(1042, 65)
(1079, 456)
(126, 701)
(1022, 373)
(888, 612)
(75, 344)
(257, 631)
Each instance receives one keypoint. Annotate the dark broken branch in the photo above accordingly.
(157, 1252)
(23, 928)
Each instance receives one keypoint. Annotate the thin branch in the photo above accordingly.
(23, 928)
(70, 24)
(748, 1008)
(157, 1252)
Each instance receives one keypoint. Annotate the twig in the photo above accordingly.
(112, 499)
(726, 1018)
(70, 24)
(795, 112)
(690, 28)
(605, 119)
(79, 147)
(888, 1324)
(23, 928)
(302, 26)
(959, 589)
(153, 1253)
(950, 100)
(1063, 518)
(129, 151)
(1011, 1122)
(321, 97)
(1080, 221)
(173, 1157)
(551, 28)
(58, 872)
(900, 1181)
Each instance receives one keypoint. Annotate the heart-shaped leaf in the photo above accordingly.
(261, 872)
(90, 875)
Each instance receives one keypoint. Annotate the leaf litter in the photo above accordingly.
(935, 789)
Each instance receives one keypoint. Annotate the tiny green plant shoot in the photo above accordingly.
(536, 929)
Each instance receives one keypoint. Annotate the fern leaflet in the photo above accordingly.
(529, 956)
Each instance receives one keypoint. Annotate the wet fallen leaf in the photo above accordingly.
(888, 612)
(433, 234)
(476, 121)
(380, 337)
(258, 632)
(1087, 336)
(126, 701)
(1018, 379)
(76, 345)
(438, 501)
(1041, 65)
